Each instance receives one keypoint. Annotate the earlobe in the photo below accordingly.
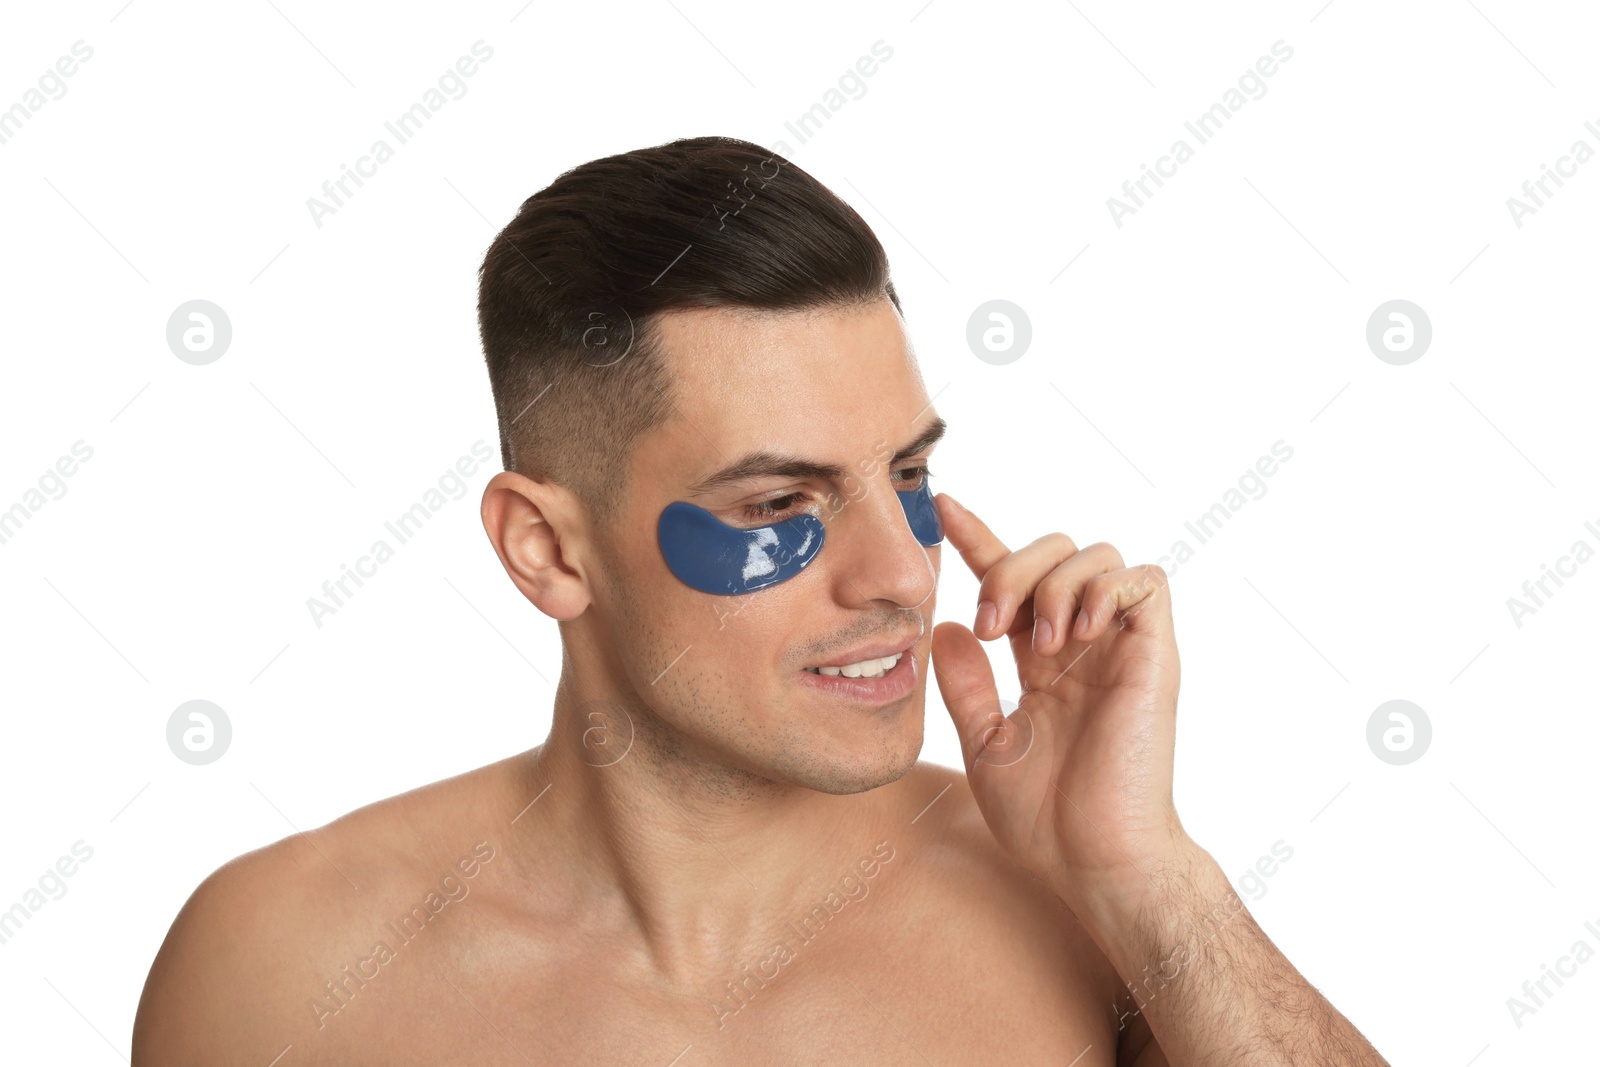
(532, 535)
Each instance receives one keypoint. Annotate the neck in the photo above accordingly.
(670, 846)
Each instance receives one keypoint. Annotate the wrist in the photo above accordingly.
(1148, 905)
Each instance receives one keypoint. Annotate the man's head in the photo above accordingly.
(704, 322)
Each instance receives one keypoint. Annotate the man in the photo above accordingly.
(717, 443)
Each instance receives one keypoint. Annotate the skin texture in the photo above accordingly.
(708, 861)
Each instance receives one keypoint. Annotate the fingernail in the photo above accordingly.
(1042, 632)
(1081, 627)
(987, 614)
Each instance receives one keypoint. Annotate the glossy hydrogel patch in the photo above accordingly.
(707, 554)
(923, 514)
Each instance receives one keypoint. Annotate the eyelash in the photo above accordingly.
(764, 512)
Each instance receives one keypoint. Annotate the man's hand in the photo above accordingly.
(1077, 786)
(1077, 782)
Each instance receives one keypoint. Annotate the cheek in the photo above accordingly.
(681, 635)
(935, 559)
(752, 631)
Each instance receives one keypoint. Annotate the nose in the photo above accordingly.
(875, 553)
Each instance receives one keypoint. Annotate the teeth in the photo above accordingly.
(867, 668)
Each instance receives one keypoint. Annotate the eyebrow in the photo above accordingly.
(768, 464)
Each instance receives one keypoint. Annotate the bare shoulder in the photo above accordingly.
(1000, 918)
(276, 942)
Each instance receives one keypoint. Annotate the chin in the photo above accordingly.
(885, 765)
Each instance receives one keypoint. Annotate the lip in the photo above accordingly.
(896, 684)
(877, 651)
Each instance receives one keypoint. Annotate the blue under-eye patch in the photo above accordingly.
(923, 514)
(707, 554)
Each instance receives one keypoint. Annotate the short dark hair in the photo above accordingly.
(570, 291)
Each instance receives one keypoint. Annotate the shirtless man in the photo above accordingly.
(726, 850)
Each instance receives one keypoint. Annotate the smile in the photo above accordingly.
(867, 668)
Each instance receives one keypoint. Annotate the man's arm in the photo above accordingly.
(1203, 979)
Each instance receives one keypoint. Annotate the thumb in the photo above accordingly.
(967, 684)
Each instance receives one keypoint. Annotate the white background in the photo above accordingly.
(1227, 314)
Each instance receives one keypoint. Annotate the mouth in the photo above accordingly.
(867, 661)
(871, 667)
(874, 674)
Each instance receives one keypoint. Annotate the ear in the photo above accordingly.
(535, 530)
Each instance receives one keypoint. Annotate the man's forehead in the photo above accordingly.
(818, 384)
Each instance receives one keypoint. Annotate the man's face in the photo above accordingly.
(726, 674)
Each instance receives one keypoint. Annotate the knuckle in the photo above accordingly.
(996, 581)
(1002, 574)
(1058, 541)
(1058, 587)
(1106, 548)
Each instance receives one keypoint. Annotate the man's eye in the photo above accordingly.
(770, 510)
(778, 508)
(910, 477)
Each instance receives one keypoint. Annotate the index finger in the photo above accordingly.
(978, 545)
